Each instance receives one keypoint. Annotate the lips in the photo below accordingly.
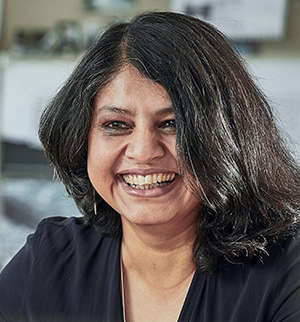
(150, 181)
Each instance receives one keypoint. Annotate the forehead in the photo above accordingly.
(130, 90)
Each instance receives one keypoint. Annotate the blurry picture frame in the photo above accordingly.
(109, 5)
(240, 20)
(1, 13)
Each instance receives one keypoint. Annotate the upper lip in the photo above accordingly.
(145, 172)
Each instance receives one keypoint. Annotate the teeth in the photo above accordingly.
(150, 181)
(154, 178)
(159, 177)
(141, 180)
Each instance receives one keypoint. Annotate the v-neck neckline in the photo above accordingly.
(190, 300)
(192, 297)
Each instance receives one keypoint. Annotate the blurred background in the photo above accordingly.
(41, 41)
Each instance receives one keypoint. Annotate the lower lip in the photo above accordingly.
(148, 193)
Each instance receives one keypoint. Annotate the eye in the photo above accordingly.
(116, 127)
(169, 126)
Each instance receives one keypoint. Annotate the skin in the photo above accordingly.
(133, 132)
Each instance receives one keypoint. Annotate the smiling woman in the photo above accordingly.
(191, 198)
(132, 140)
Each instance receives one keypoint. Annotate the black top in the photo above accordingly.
(68, 272)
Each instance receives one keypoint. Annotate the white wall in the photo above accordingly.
(280, 80)
(27, 86)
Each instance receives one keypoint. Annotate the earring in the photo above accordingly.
(95, 203)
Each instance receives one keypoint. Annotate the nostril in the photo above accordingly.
(144, 150)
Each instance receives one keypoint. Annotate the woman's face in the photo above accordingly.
(132, 154)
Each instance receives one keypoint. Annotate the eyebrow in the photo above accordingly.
(113, 109)
(121, 111)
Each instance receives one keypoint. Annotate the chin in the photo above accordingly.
(144, 219)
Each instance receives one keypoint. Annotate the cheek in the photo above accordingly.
(169, 143)
(96, 159)
(102, 156)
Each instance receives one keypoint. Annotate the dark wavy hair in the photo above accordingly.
(226, 136)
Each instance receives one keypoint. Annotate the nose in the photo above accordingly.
(144, 146)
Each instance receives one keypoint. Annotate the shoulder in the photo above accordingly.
(265, 289)
(74, 235)
(276, 279)
(284, 254)
(60, 267)
(283, 273)
(54, 229)
(281, 261)
(284, 257)
(60, 239)
(68, 226)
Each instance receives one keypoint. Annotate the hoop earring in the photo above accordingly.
(95, 203)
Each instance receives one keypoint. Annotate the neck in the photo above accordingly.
(162, 257)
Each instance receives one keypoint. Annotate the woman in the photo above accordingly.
(191, 197)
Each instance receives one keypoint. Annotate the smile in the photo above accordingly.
(149, 181)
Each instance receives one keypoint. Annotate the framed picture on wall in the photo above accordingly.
(253, 20)
(109, 5)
